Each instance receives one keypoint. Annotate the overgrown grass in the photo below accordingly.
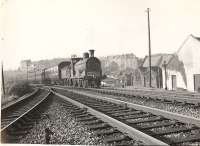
(15, 90)
(19, 89)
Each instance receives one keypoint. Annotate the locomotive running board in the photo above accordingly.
(132, 132)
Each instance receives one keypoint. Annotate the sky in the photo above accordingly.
(45, 29)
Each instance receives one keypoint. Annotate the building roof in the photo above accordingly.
(157, 60)
(190, 37)
(64, 64)
(197, 38)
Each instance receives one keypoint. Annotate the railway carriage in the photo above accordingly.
(64, 69)
(50, 75)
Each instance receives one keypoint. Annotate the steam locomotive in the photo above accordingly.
(78, 72)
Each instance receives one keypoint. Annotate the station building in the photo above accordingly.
(178, 71)
(166, 71)
(189, 54)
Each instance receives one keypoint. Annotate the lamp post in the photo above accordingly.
(165, 67)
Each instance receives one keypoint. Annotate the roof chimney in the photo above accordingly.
(91, 53)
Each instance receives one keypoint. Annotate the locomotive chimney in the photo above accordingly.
(85, 55)
(91, 53)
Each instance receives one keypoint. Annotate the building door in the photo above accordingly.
(173, 82)
(197, 82)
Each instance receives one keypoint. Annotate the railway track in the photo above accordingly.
(152, 126)
(183, 108)
(94, 122)
(18, 118)
(157, 90)
(173, 96)
(166, 97)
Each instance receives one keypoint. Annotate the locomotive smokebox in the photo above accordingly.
(91, 53)
(85, 55)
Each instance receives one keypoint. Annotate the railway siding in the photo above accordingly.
(170, 115)
(174, 97)
(167, 96)
(156, 91)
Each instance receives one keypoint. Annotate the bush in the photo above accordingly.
(19, 89)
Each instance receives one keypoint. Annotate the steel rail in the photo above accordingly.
(132, 132)
(159, 95)
(146, 94)
(157, 90)
(166, 114)
(22, 115)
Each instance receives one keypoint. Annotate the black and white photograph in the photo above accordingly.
(100, 72)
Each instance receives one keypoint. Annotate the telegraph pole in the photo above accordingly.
(27, 71)
(44, 74)
(35, 71)
(2, 77)
(148, 18)
(165, 67)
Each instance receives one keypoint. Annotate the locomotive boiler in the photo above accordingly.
(78, 72)
(82, 72)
